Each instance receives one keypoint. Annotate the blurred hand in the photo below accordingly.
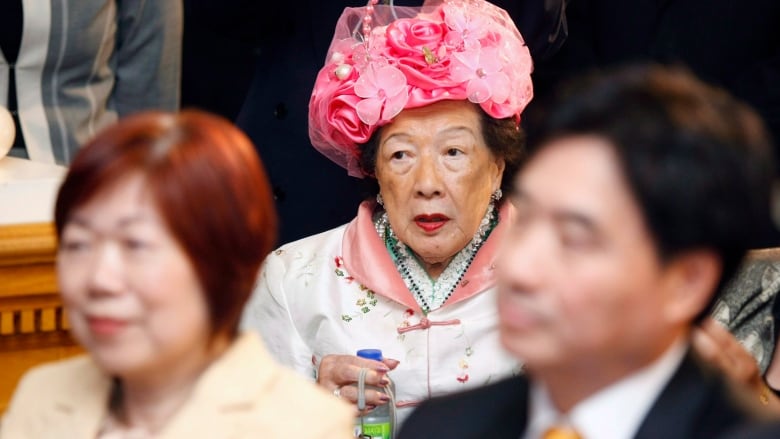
(720, 347)
(342, 371)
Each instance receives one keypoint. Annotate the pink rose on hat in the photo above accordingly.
(410, 36)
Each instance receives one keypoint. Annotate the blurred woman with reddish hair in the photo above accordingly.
(163, 221)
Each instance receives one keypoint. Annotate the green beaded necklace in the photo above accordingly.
(431, 293)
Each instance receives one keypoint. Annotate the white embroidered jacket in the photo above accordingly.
(339, 291)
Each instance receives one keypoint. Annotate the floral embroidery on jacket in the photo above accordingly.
(339, 261)
(367, 300)
(463, 364)
(405, 323)
(463, 376)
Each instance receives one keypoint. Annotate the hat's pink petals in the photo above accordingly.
(389, 79)
(500, 87)
(470, 26)
(464, 65)
(366, 86)
(368, 110)
(489, 60)
(453, 39)
(461, 72)
(394, 105)
(478, 90)
(469, 58)
(385, 93)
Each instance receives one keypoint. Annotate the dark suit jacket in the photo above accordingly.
(696, 403)
(763, 431)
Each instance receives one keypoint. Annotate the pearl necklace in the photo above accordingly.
(431, 294)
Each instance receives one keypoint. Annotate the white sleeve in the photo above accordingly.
(268, 313)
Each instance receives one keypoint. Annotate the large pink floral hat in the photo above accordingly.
(384, 59)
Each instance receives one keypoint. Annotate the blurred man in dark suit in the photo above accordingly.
(641, 193)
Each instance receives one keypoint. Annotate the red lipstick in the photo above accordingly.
(431, 222)
(105, 327)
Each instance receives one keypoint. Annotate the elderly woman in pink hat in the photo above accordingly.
(426, 102)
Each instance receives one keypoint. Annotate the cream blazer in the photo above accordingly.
(244, 394)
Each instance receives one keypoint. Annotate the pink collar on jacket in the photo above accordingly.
(367, 260)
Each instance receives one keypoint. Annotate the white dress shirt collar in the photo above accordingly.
(614, 412)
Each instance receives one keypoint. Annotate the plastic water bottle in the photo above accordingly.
(378, 423)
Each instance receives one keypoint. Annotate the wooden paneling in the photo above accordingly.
(24, 244)
(33, 326)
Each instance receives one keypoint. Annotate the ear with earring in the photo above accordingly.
(379, 200)
(496, 195)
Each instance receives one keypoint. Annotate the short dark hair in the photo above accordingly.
(504, 137)
(698, 162)
(209, 185)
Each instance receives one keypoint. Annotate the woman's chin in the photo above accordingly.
(436, 249)
(434, 256)
(119, 363)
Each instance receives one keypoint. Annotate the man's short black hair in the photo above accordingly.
(698, 162)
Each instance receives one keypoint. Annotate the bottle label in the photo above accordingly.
(380, 430)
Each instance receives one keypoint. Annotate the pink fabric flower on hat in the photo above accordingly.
(409, 37)
(482, 70)
(467, 29)
(418, 49)
(334, 98)
(372, 54)
(384, 93)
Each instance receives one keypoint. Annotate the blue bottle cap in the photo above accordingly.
(371, 354)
